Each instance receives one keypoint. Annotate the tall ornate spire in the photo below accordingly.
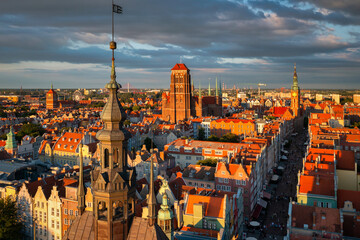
(220, 89)
(216, 88)
(209, 93)
(295, 85)
(81, 187)
(52, 86)
(113, 182)
(199, 90)
(151, 199)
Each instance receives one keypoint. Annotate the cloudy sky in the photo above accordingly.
(243, 42)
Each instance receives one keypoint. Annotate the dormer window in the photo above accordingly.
(76, 140)
(223, 172)
(65, 146)
(59, 146)
(71, 147)
(70, 139)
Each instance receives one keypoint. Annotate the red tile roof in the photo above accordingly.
(325, 187)
(347, 195)
(180, 66)
(68, 142)
(326, 219)
(213, 206)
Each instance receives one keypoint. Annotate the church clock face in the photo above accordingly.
(294, 94)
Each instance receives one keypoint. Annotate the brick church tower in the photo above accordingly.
(295, 95)
(51, 99)
(179, 105)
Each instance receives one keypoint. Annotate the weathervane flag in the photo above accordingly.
(117, 9)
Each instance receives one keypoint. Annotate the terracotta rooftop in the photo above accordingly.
(316, 218)
(308, 184)
(213, 206)
(180, 66)
(347, 195)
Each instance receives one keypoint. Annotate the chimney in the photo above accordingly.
(317, 180)
(314, 219)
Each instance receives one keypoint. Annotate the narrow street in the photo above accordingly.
(275, 219)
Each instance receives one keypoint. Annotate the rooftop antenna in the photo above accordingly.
(180, 59)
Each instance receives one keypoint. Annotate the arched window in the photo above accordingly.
(118, 210)
(102, 211)
(106, 158)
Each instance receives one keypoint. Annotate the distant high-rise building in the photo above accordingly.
(52, 99)
(295, 95)
(356, 98)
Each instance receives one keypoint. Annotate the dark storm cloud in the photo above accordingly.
(308, 14)
(346, 6)
(202, 31)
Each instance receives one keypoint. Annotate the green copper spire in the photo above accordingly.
(199, 90)
(216, 88)
(165, 216)
(209, 90)
(295, 85)
(10, 140)
(220, 90)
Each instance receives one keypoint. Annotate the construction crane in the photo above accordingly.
(259, 85)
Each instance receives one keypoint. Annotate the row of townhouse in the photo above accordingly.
(327, 204)
(45, 205)
(65, 149)
(245, 166)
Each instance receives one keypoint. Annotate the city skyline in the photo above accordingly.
(241, 42)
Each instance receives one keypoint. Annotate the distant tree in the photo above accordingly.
(31, 129)
(230, 137)
(213, 138)
(357, 124)
(10, 224)
(136, 108)
(201, 133)
(211, 162)
(345, 100)
(65, 129)
(126, 122)
(3, 137)
(149, 143)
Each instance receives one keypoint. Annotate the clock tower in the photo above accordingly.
(295, 95)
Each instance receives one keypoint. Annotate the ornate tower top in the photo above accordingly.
(295, 85)
(216, 88)
(199, 90)
(10, 139)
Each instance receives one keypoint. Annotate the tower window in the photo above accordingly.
(106, 158)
